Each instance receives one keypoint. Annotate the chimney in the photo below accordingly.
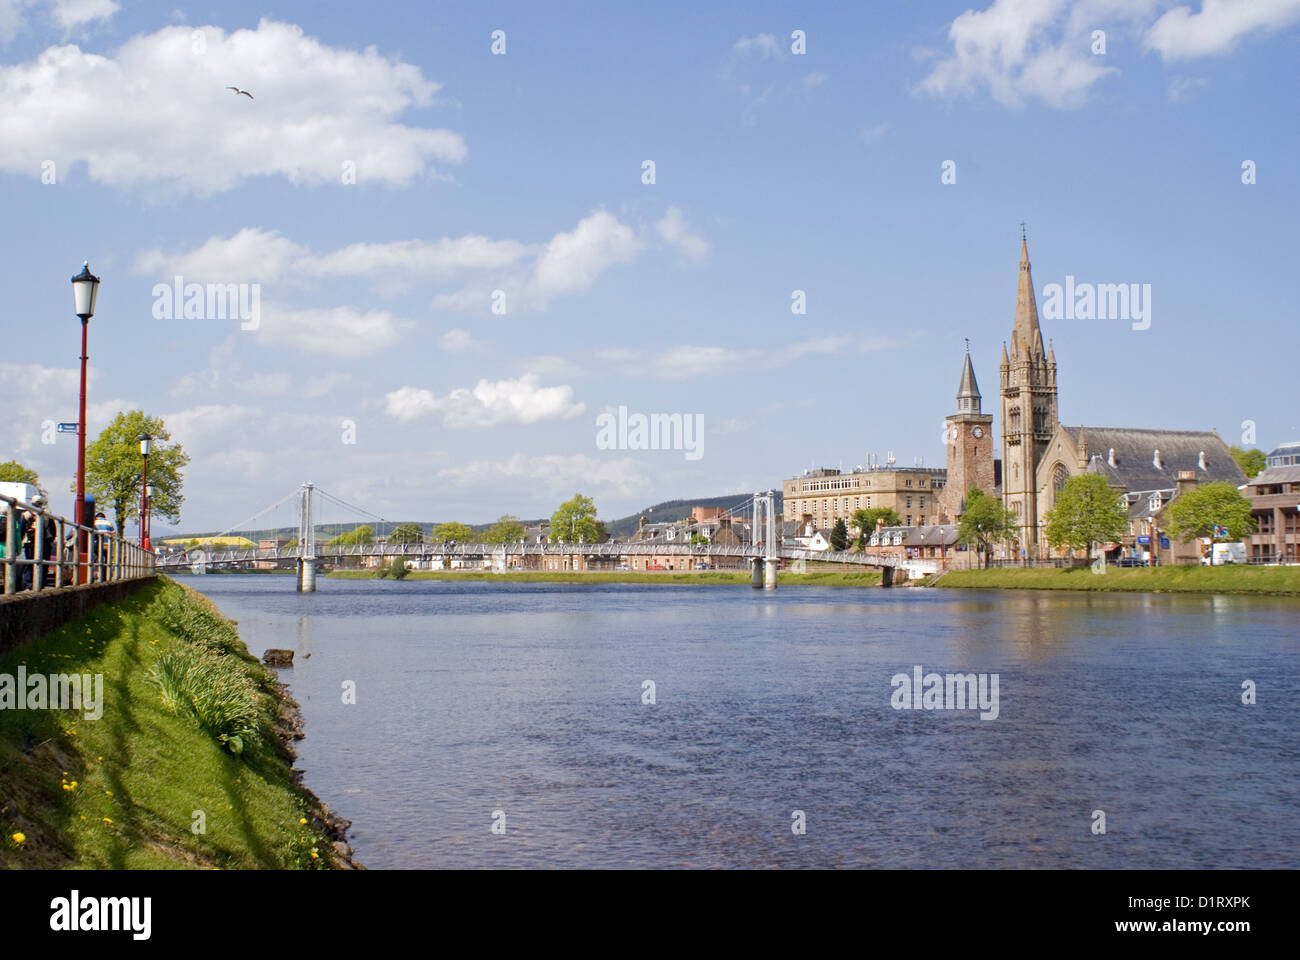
(1186, 481)
(1200, 461)
(1110, 457)
(1156, 462)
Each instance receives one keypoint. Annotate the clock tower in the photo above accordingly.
(969, 439)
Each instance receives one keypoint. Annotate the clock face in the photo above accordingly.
(979, 432)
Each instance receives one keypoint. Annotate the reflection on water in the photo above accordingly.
(526, 698)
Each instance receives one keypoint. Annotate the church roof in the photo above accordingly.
(1133, 452)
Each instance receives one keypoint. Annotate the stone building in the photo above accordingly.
(820, 497)
(969, 434)
(1275, 504)
(1027, 378)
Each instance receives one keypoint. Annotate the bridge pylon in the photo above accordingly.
(764, 539)
(307, 538)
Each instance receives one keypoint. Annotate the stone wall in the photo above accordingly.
(29, 615)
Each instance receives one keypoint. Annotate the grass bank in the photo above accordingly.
(848, 578)
(188, 765)
(1282, 581)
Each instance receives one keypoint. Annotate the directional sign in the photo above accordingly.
(1164, 543)
(1144, 538)
(67, 428)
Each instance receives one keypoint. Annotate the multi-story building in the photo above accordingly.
(969, 436)
(820, 497)
(1275, 503)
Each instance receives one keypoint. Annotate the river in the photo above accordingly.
(522, 706)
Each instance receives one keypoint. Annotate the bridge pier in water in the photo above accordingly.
(769, 574)
(756, 574)
(306, 576)
(886, 576)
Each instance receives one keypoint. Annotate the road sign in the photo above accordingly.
(1144, 538)
(67, 428)
(1164, 543)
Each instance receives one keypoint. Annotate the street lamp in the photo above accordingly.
(145, 441)
(85, 291)
(147, 515)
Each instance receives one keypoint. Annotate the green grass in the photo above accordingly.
(122, 791)
(1180, 579)
(848, 578)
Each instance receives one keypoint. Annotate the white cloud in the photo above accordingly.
(572, 261)
(339, 331)
(762, 45)
(1183, 88)
(252, 255)
(156, 113)
(675, 231)
(687, 361)
(73, 13)
(1019, 50)
(1214, 30)
(814, 80)
(521, 401)
(458, 340)
(325, 384)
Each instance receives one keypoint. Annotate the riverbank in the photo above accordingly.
(1264, 581)
(831, 578)
(189, 763)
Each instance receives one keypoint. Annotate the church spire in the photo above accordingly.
(1025, 333)
(968, 391)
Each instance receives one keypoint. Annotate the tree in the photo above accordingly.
(1198, 512)
(985, 522)
(865, 521)
(576, 521)
(407, 533)
(507, 529)
(397, 569)
(1252, 461)
(839, 535)
(445, 532)
(14, 472)
(113, 468)
(362, 534)
(1087, 511)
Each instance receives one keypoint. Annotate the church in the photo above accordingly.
(1039, 454)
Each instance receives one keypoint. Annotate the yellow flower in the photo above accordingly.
(302, 820)
(108, 793)
(106, 820)
(20, 838)
(315, 855)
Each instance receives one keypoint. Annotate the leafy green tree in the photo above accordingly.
(14, 472)
(507, 529)
(985, 522)
(1252, 461)
(839, 535)
(865, 521)
(699, 540)
(1200, 510)
(397, 569)
(576, 521)
(1087, 511)
(113, 468)
(362, 534)
(452, 530)
(406, 533)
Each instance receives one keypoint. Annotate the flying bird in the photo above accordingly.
(238, 92)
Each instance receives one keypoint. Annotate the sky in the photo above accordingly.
(461, 259)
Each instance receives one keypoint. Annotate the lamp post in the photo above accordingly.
(145, 441)
(148, 515)
(85, 291)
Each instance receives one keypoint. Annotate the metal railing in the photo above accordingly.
(33, 560)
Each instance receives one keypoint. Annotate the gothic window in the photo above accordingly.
(1015, 421)
(1059, 476)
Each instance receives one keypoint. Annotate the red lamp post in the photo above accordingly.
(85, 291)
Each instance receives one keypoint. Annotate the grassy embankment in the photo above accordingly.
(1227, 579)
(191, 722)
(830, 578)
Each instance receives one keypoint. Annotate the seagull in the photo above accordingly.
(238, 92)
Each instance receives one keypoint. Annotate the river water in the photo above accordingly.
(521, 705)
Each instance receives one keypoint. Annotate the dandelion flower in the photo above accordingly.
(20, 838)
(106, 820)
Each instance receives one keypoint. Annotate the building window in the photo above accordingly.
(1059, 476)
(923, 503)
(909, 503)
(909, 519)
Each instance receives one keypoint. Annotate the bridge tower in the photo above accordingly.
(764, 537)
(307, 538)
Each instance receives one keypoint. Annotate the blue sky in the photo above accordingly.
(522, 172)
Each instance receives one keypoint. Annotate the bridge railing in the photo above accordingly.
(42, 550)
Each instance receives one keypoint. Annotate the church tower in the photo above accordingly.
(969, 440)
(1028, 382)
